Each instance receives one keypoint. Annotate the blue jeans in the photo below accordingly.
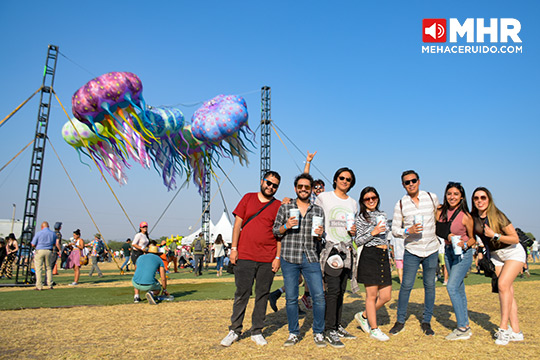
(125, 263)
(313, 277)
(457, 269)
(410, 267)
(219, 263)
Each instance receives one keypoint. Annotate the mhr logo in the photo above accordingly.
(435, 30)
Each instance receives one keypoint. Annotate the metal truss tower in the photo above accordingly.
(205, 222)
(36, 166)
(266, 121)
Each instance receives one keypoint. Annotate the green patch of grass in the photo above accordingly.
(76, 296)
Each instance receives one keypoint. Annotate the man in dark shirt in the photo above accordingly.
(126, 248)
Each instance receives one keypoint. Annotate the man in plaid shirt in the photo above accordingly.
(299, 255)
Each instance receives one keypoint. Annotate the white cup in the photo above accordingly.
(419, 219)
(317, 221)
(458, 250)
(350, 221)
(296, 214)
(381, 219)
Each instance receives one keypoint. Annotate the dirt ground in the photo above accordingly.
(194, 329)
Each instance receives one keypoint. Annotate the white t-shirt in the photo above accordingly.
(535, 246)
(399, 247)
(335, 215)
(140, 239)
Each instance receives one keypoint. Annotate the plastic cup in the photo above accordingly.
(317, 221)
(296, 214)
(419, 219)
(458, 250)
(381, 219)
(350, 221)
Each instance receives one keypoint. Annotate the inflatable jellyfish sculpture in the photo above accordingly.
(220, 122)
(115, 101)
(165, 123)
(77, 134)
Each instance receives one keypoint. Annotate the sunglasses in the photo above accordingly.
(371, 198)
(454, 184)
(271, 184)
(481, 197)
(146, 226)
(344, 178)
(318, 187)
(302, 186)
(409, 182)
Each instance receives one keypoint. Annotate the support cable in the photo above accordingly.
(95, 162)
(228, 178)
(170, 203)
(301, 152)
(80, 197)
(211, 200)
(295, 163)
(19, 107)
(223, 199)
(19, 153)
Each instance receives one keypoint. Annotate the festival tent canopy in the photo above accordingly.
(223, 227)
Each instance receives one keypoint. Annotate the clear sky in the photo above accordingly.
(348, 80)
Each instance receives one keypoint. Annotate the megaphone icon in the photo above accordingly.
(431, 31)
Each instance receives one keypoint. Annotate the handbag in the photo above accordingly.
(442, 229)
(84, 260)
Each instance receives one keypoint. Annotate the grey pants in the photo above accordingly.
(94, 261)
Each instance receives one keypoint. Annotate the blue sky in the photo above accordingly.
(348, 79)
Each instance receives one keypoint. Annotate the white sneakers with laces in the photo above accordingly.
(378, 335)
(259, 339)
(229, 339)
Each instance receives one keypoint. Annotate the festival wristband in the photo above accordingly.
(234, 248)
(285, 226)
(277, 257)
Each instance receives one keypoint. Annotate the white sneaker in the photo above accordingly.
(364, 324)
(516, 336)
(229, 339)
(259, 339)
(503, 337)
(378, 334)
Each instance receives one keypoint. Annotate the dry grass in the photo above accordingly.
(194, 330)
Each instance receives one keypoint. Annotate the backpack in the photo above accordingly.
(100, 248)
(198, 245)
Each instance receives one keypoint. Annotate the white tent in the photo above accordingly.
(223, 227)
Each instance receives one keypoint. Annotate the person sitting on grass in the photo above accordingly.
(144, 277)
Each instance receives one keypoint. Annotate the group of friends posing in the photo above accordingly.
(269, 235)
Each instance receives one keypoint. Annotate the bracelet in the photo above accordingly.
(234, 248)
(406, 231)
(496, 237)
(277, 258)
(285, 226)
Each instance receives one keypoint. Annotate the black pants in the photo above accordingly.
(335, 289)
(198, 263)
(245, 272)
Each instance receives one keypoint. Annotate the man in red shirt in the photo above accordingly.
(255, 252)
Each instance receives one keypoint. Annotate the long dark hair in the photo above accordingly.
(219, 239)
(446, 206)
(363, 207)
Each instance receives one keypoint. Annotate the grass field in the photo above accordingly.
(51, 324)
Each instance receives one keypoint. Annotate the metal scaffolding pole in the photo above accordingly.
(205, 222)
(265, 129)
(36, 167)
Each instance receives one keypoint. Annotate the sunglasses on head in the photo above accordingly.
(302, 186)
(481, 197)
(271, 184)
(409, 182)
(454, 184)
(371, 198)
(344, 178)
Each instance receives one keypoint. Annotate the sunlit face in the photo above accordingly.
(481, 200)
(269, 186)
(411, 183)
(371, 200)
(317, 189)
(343, 181)
(454, 197)
(303, 189)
